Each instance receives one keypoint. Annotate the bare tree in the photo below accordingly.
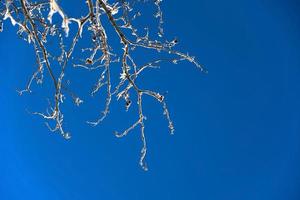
(36, 26)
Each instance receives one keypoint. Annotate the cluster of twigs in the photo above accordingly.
(35, 25)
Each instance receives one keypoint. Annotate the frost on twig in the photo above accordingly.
(36, 26)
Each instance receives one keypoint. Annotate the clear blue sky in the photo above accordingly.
(237, 128)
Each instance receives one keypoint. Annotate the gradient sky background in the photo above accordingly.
(237, 128)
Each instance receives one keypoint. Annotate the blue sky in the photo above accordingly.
(237, 128)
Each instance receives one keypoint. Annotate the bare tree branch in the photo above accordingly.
(35, 26)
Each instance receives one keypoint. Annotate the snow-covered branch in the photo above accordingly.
(36, 25)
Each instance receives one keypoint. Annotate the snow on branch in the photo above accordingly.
(36, 26)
